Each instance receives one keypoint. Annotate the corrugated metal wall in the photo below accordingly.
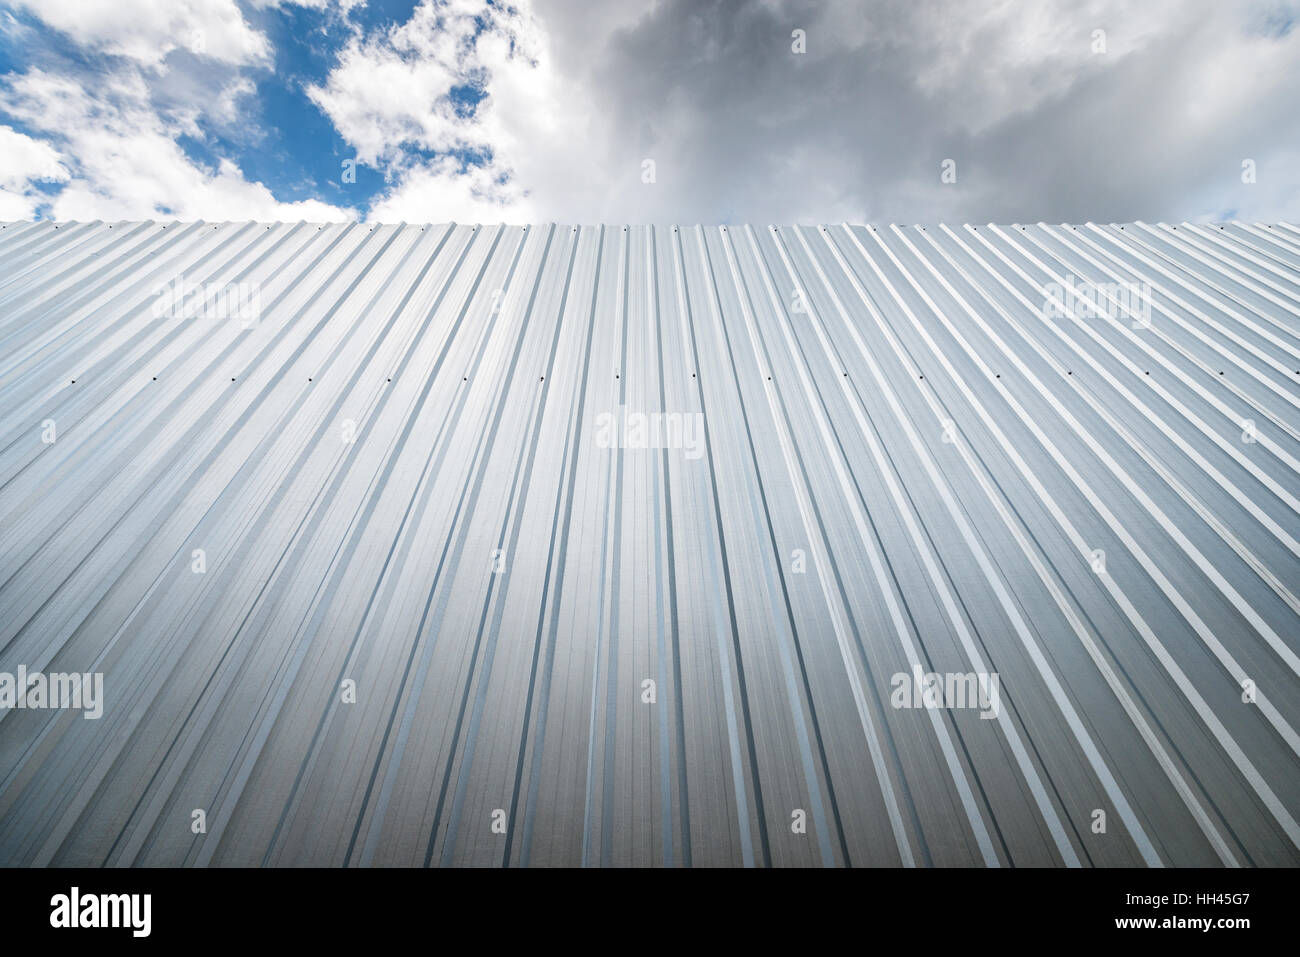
(497, 479)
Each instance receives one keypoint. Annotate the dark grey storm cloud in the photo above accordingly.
(1043, 118)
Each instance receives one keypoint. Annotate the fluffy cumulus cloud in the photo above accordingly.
(148, 30)
(100, 135)
(27, 164)
(762, 111)
(450, 105)
(123, 160)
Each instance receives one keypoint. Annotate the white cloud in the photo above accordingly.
(440, 191)
(123, 159)
(391, 98)
(226, 110)
(25, 162)
(148, 30)
(393, 92)
(113, 132)
(16, 206)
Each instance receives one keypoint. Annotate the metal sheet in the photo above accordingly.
(547, 545)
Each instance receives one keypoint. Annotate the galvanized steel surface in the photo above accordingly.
(573, 642)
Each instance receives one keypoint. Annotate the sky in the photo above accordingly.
(662, 111)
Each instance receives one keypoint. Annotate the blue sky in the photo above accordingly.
(260, 62)
(283, 140)
(538, 110)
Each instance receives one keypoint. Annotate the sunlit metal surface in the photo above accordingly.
(455, 545)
